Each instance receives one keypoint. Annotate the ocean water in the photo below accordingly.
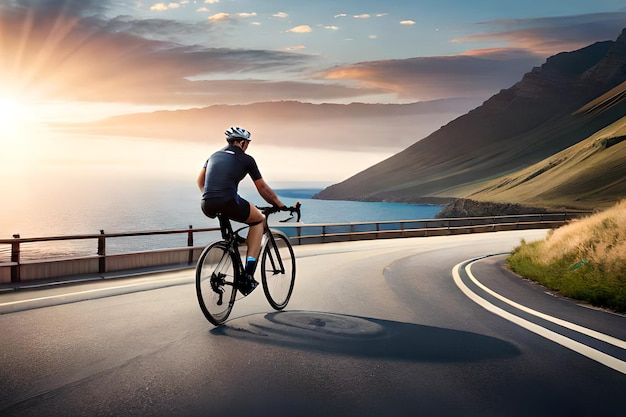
(59, 184)
(336, 211)
(83, 208)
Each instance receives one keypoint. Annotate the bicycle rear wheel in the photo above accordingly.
(278, 271)
(215, 282)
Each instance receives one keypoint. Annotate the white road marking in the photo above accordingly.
(571, 344)
(119, 287)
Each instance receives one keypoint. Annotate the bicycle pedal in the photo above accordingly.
(246, 287)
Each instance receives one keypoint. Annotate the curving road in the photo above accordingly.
(406, 327)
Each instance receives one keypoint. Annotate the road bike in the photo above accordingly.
(220, 269)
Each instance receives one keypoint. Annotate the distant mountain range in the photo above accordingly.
(554, 139)
(290, 123)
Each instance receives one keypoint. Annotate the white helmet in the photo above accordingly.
(235, 132)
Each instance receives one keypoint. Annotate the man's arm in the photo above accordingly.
(267, 193)
(200, 180)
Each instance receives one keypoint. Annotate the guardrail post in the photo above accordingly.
(15, 257)
(102, 261)
(190, 244)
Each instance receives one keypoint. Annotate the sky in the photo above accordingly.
(85, 60)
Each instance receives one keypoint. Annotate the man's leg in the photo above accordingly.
(255, 234)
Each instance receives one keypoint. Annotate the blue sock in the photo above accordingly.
(250, 265)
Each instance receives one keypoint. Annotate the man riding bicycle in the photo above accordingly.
(219, 181)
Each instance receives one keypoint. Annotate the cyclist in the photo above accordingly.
(219, 180)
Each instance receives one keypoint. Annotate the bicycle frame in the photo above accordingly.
(222, 274)
(233, 239)
(273, 253)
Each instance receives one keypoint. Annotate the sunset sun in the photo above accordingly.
(13, 117)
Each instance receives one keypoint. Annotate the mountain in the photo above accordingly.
(286, 122)
(552, 108)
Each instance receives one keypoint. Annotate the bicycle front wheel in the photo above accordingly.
(278, 271)
(215, 282)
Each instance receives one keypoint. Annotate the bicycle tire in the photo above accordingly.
(215, 282)
(277, 283)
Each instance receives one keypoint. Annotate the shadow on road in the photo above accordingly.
(365, 337)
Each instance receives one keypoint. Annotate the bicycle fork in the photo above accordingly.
(274, 253)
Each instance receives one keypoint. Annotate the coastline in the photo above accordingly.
(457, 207)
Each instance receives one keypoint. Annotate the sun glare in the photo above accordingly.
(12, 117)
(18, 131)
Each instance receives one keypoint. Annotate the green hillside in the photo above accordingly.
(590, 174)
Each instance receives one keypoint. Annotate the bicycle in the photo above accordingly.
(220, 269)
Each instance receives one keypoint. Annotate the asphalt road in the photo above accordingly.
(405, 327)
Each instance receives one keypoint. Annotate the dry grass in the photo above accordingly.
(585, 259)
(599, 240)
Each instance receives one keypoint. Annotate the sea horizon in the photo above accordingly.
(171, 206)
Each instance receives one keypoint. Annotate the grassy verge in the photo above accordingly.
(585, 259)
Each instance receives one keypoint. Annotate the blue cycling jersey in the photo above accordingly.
(224, 171)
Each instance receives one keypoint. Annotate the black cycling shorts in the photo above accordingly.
(237, 209)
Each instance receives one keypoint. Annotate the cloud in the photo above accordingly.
(158, 7)
(551, 35)
(50, 54)
(161, 7)
(68, 50)
(301, 29)
(479, 75)
(482, 72)
(211, 1)
(407, 22)
(341, 15)
(281, 15)
(219, 17)
(154, 29)
(362, 16)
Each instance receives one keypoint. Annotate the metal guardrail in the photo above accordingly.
(53, 266)
(100, 262)
(325, 233)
